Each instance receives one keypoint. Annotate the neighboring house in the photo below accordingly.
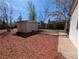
(73, 31)
(42, 25)
(56, 24)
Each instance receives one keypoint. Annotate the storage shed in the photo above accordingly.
(27, 26)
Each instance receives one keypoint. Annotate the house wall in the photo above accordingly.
(73, 33)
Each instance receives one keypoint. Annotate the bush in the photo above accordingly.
(7, 27)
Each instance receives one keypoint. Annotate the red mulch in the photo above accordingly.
(37, 46)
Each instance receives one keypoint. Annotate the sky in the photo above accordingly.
(21, 7)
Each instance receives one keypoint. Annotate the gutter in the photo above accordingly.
(74, 4)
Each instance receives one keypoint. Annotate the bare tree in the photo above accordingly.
(4, 13)
(63, 7)
(20, 17)
(32, 11)
(1, 10)
(44, 14)
(11, 18)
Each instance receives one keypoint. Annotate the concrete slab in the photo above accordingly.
(66, 47)
(54, 32)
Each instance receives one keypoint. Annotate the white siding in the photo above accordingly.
(73, 33)
(21, 27)
(27, 26)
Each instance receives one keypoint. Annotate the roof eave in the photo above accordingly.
(74, 4)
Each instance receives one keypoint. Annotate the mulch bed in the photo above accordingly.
(33, 46)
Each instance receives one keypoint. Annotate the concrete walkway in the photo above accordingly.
(54, 32)
(65, 46)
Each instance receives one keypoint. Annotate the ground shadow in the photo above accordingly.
(25, 35)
